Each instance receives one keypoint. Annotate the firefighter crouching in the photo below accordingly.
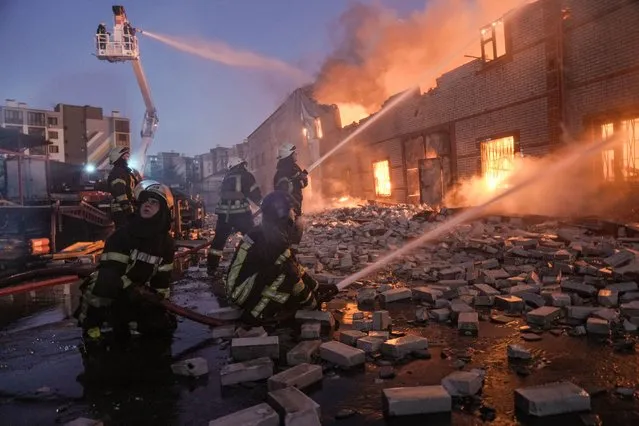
(264, 279)
(233, 210)
(134, 274)
(122, 181)
(289, 177)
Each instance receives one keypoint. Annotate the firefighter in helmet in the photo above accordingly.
(122, 180)
(264, 278)
(134, 274)
(289, 176)
(233, 210)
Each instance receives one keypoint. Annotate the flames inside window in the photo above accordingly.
(622, 160)
(497, 158)
(381, 171)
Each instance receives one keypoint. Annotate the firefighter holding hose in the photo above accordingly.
(233, 210)
(289, 176)
(122, 181)
(264, 278)
(134, 274)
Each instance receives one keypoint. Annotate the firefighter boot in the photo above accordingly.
(212, 262)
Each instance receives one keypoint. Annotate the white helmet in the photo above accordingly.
(155, 187)
(235, 161)
(285, 150)
(117, 153)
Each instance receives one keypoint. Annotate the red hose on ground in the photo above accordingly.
(22, 288)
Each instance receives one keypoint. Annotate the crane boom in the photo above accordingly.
(122, 46)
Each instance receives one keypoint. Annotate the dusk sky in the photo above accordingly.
(47, 59)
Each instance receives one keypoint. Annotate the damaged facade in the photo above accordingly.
(300, 120)
(550, 65)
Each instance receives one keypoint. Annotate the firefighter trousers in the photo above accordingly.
(226, 225)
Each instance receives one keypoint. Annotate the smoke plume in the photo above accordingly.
(578, 191)
(377, 54)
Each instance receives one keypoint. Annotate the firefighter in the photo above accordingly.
(134, 274)
(122, 180)
(264, 278)
(102, 36)
(233, 210)
(289, 177)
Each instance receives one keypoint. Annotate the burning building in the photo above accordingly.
(549, 72)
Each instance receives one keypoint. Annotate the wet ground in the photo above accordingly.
(43, 379)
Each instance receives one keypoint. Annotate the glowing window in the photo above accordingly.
(630, 132)
(608, 155)
(497, 158)
(493, 41)
(381, 172)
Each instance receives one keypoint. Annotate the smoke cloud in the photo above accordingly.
(578, 191)
(377, 54)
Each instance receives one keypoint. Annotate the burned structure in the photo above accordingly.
(551, 72)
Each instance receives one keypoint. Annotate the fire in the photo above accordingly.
(497, 158)
(381, 171)
(351, 113)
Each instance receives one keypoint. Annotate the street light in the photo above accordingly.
(89, 168)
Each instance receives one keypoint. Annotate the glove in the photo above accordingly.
(325, 293)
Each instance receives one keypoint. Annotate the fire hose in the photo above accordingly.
(69, 277)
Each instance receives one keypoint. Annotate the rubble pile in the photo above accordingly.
(557, 278)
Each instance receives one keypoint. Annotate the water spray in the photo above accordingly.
(223, 53)
(476, 211)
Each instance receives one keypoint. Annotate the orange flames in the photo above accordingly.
(351, 113)
(381, 172)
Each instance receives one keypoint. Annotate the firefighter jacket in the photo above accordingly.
(238, 187)
(290, 178)
(127, 261)
(122, 181)
(266, 281)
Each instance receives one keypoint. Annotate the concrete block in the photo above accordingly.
(484, 300)
(543, 316)
(630, 296)
(620, 258)
(580, 312)
(358, 315)
(193, 367)
(363, 325)
(597, 326)
(369, 344)
(579, 288)
(311, 330)
(252, 332)
(396, 294)
(258, 415)
(463, 383)
(559, 300)
(630, 309)
(246, 348)
(511, 304)
(427, 294)
(416, 400)
(442, 304)
(624, 287)
(300, 376)
(607, 297)
(381, 320)
(629, 327)
(532, 299)
(421, 314)
(223, 331)
(366, 296)
(303, 352)
(225, 314)
(453, 284)
(383, 335)
(324, 317)
(294, 407)
(83, 421)
(552, 399)
(468, 323)
(341, 354)
(403, 346)
(523, 288)
(248, 371)
(486, 290)
(457, 307)
(607, 314)
(349, 337)
(440, 314)
(518, 352)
